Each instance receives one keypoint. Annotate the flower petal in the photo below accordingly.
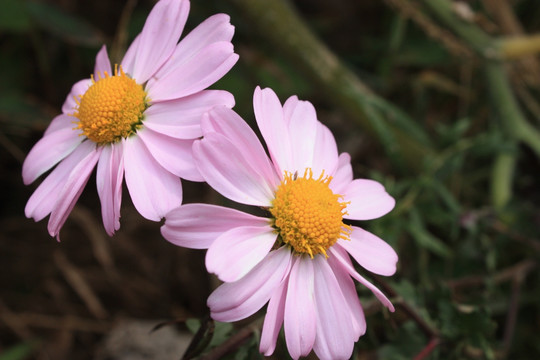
(237, 251)
(109, 177)
(351, 296)
(173, 154)
(326, 153)
(303, 125)
(342, 257)
(300, 314)
(49, 150)
(240, 299)
(128, 62)
(343, 174)
(216, 28)
(103, 64)
(42, 201)
(201, 71)
(335, 335)
(368, 200)
(70, 105)
(269, 116)
(373, 253)
(181, 118)
(73, 187)
(228, 123)
(288, 108)
(159, 37)
(196, 226)
(61, 121)
(153, 190)
(225, 168)
(273, 319)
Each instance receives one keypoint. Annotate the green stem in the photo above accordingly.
(477, 39)
(517, 47)
(287, 32)
(505, 105)
(501, 179)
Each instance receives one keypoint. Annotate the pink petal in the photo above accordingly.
(201, 71)
(49, 150)
(159, 37)
(109, 177)
(72, 188)
(128, 62)
(173, 154)
(273, 320)
(70, 105)
(349, 293)
(300, 314)
(371, 252)
(228, 123)
(342, 257)
(216, 28)
(103, 64)
(368, 200)
(181, 118)
(153, 190)
(343, 174)
(335, 335)
(303, 126)
(196, 226)
(44, 198)
(240, 299)
(269, 116)
(239, 250)
(61, 121)
(225, 168)
(326, 153)
(289, 107)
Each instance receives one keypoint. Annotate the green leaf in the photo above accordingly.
(425, 239)
(203, 337)
(221, 333)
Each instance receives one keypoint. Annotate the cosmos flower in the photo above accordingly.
(297, 258)
(138, 119)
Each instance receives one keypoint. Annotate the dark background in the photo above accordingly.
(467, 281)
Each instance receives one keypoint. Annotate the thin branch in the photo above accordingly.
(428, 349)
(517, 271)
(408, 309)
(511, 317)
(77, 281)
(234, 342)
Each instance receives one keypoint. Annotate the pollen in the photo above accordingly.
(112, 108)
(307, 215)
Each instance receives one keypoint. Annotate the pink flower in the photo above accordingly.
(296, 258)
(140, 121)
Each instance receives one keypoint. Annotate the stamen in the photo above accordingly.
(112, 108)
(307, 214)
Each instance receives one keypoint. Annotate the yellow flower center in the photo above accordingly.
(308, 215)
(112, 108)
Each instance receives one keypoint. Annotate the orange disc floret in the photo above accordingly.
(112, 108)
(308, 215)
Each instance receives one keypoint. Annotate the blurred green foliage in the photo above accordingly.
(466, 224)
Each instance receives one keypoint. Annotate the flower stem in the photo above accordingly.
(517, 47)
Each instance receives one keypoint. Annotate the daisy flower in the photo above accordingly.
(137, 119)
(297, 258)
